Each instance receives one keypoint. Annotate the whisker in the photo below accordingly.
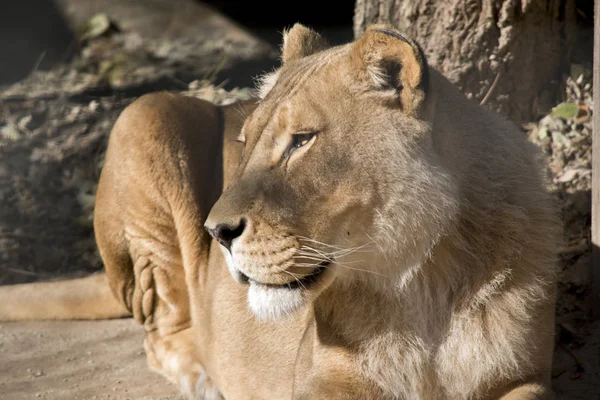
(317, 242)
(340, 251)
(292, 275)
(241, 112)
(360, 270)
(332, 253)
(355, 277)
(332, 261)
(303, 238)
(311, 257)
(309, 265)
(373, 240)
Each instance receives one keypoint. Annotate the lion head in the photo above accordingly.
(337, 174)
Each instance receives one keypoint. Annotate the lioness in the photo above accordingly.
(387, 238)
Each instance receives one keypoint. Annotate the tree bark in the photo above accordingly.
(596, 169)
(506, 54)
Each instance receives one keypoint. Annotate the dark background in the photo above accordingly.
(267, 19)
(30, 27)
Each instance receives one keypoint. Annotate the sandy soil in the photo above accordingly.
(77, 360)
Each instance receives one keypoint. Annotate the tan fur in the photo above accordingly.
(85, 298)
(430, 210)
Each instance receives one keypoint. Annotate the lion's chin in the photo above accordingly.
(272, 303)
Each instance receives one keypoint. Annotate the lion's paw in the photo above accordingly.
(198, 387)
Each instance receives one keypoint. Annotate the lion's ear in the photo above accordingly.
(301, 41)
(392, 63)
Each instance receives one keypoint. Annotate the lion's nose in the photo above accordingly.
(225, 234)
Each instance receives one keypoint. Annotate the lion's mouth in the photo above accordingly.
(301, 283)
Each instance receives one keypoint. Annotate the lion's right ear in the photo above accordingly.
(300, 42)
(392, 64)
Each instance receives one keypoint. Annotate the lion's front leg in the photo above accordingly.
(174, 356)
(161, 304)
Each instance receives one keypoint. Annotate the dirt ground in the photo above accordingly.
(54, 125)
(77, 360)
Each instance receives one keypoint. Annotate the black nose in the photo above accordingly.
(225, 234)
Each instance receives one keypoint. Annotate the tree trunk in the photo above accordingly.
(507, 54)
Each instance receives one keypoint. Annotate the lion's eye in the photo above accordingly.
(298, 140)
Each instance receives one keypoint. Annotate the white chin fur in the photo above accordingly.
(269, 303)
